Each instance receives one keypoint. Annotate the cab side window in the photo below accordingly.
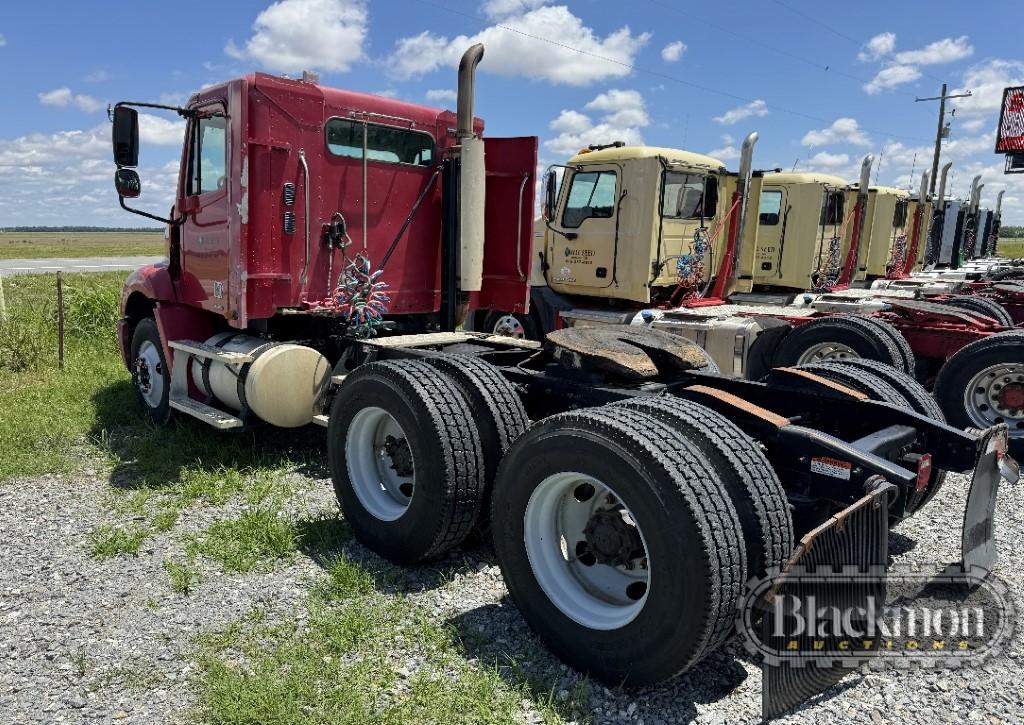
(832, 209)
(591, 194)
(770, 208)
(209, 156)
(899, 217)
(689, 196)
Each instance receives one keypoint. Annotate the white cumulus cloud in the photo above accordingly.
(296, 35)
(63, 97)
(986, 82)
(825, 160)
(441, 95)
(728, 150)
(879, 46)
(890, 77)
(842, 130)
(754, 108)
(496, 9)
(899, 68)
(621, 116)
(673, 51)
(517, 48)
(946, 50)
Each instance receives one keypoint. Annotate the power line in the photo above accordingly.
(824, 67)
(858, 43)
(660, 74)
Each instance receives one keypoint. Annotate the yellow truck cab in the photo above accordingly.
(802, 234)
(624, 215)
(886, 231)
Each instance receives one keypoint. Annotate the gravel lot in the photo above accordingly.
(94, 641)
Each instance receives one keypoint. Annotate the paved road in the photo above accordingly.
(10, 267)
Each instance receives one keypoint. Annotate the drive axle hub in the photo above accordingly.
(611, 540)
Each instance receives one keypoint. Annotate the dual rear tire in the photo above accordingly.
(624, 533)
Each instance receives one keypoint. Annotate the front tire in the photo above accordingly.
(150, 375)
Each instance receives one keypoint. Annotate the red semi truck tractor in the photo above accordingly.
(323, 248)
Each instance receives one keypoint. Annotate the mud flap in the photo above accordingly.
(839, 564)
(978, 545)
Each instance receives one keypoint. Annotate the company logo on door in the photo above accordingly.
(579, 256)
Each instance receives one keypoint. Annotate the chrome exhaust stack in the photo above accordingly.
(975, 192)
(942, 181)
(865, 175)
(472, 178)
(743, 187)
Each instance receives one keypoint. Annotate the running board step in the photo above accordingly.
(208, 414)
(202, 350)
(322, 420)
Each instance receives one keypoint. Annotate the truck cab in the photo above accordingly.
(803, 232)
(631, 226)
(886, 231)
(306, 213)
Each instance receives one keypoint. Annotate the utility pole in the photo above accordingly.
(941, 98)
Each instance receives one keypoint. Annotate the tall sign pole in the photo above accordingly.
(941, 98)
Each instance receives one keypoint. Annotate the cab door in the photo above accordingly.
(205, 242)
(771, 232)
(581, 251)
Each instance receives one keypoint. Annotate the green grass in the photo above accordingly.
(348, 661)
(1010, 248)
(182, 578)
(107, 541)
(254, 539)
(43, 245)
(344, 658)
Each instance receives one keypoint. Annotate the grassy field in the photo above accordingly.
(333, 661)
(1010, 248)
(42, 245)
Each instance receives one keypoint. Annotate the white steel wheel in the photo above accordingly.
(149, 374)
(509, 326)
(996, 395)
(380, 463)
(586, 551)
(827, 351)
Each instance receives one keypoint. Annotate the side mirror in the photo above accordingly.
(126, 136)
(549, 196)
(127, 183)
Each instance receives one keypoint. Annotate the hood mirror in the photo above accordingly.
(127, 183)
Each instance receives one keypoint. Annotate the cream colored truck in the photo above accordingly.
(634, 226)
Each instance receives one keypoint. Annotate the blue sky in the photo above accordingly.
(821, 84)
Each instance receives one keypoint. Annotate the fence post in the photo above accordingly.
(60, 320)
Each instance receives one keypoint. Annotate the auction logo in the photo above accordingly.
(841, 618)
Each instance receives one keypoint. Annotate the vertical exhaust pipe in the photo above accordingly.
(853, 254)
(974, 193)
(865, 175)
(999, 203)
(743, 187)
(472, 177)
(942, 183)
(922, 195)
(467, 90)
